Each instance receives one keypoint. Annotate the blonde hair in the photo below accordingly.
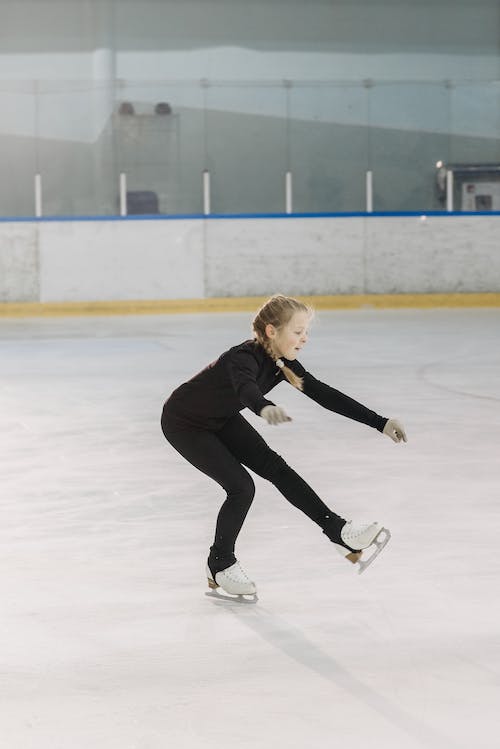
(278, 311)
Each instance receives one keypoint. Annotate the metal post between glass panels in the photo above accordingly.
(123, 194)
(38, 195)
(369, 191)
(206, 192)
(449, 190)
(288, 193)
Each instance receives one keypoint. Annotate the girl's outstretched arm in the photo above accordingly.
(340, 403)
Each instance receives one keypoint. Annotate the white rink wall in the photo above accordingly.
(150, 259)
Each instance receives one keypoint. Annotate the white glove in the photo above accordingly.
(395, 430)
(274, 414)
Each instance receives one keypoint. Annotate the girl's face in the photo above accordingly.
(291, 337)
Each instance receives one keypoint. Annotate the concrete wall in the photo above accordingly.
(196, 258)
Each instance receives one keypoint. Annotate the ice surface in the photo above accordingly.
(108, 641)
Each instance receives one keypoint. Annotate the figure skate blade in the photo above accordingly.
(379, 542)
(237, 600)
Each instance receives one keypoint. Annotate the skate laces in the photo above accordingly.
(349, 533)
(236, 573)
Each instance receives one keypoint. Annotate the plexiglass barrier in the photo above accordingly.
(100, 149)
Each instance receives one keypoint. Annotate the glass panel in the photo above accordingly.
(246, 148)
(159, 144)
(475, 141)
(73, 146)
(328, 148)
(17, 149)
(475, 123)
(81, 135)
(409, 126)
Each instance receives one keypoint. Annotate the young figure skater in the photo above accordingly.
(202, 421)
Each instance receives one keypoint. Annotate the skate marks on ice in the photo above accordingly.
(291, 641)
(450, 376)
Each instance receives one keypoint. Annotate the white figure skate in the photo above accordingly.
(362, 537)
(235, 583)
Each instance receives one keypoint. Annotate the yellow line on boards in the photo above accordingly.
(243, 304)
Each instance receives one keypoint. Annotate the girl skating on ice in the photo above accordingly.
(202, 421)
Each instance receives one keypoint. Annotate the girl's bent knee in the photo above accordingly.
(245, 491)
(250, 490)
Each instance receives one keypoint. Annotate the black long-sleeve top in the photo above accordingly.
(239, 379)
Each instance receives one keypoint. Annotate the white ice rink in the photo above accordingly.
(107, 638)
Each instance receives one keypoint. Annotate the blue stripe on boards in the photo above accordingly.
(232, 216)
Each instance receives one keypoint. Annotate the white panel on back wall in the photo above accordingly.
(432, 255)
(119, 260)
(18, 262)
(29, 65)
(296, 256)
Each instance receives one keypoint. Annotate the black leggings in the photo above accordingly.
(222, 455)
